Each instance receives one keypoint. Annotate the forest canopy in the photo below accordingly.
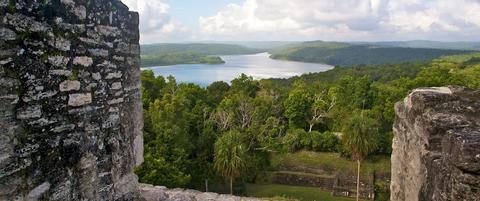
(183, 121)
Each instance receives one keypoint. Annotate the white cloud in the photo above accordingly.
(156, 24)
(345, 20)
(317, 20)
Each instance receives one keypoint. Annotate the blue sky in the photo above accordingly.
(188, 11)
(302, 20)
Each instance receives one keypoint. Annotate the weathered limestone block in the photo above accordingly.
(115, 101)
(61, 44)
(69, 85)
(161, 193)
(108, 30)
(7, 34)
(99, 52)
(79, 99)
(29, 112)
(436, 145)
(60, 72)
(38, 191)
(64, 135)
(68, 2)
(22, 22)
(116, 86)
(58, 61)
(84, 61)
(80, 12)
(113, 75)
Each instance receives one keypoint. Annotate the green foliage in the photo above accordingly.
(155, 170)
(217, 91)
(331, 161)
(245, 85)
(151, 87)
(298, 104)
(344, 54)
(183, 122)
(360, 136)
(170, 131)
(230, 155)
(292, 192)
(178, 58)
(470, 45)
(292, 141)
(297, 139)
(326, 141)
(11, 8)
(192, 53)
(382, 191)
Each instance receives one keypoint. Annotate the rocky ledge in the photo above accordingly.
(436, 145)
(161, 193)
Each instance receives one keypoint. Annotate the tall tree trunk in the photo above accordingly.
(311, 126)
(206, 185)
(231, 185)
(358, 179)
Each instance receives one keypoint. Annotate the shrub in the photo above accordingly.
(382, 191)
(326, 141)
(292, 141)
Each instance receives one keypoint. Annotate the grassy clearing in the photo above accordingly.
(331, 161)
(295, 192)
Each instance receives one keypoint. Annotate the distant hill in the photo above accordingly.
(189, 53)
(462, 45)
(265, 45)
(198, 48)
(346, 54)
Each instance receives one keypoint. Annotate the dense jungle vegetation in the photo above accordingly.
(348, 54)
(187, 127)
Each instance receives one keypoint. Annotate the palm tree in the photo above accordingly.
(229, 158)
(360, 138)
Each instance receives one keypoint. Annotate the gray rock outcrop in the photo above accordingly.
(160, 193)
(70, 109)
(436, 145)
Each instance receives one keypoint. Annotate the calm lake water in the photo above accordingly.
(256, 65)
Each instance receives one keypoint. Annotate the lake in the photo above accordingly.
(258, 66)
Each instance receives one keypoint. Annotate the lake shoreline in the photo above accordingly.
(259, 66)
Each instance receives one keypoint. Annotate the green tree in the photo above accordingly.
(230, 156)
(359, 137)
(245, 84)
(217, 91)
(297, 104)
(151, 87)
(320, 108)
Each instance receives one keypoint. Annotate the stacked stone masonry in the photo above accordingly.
(70, 109)
(436, 146)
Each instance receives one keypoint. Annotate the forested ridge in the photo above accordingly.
(349, 54)
(187, 126)
(189, 53)
(459, 45)
(178, 58)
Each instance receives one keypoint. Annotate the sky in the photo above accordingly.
(171, 21)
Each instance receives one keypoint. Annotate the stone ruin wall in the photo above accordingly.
(436, 146)
(70, 109)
